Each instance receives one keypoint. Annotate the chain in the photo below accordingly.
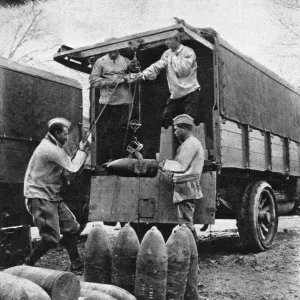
(210, 235)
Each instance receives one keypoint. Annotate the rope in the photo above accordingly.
(100, 114)
(130, 114)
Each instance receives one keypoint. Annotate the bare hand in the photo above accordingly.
(96, 82)
(83, 145)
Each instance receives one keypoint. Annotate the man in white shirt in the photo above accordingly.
(43, 180)
(115, 97)
(186, 169)
(181, 68)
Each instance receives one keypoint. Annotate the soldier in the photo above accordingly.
(108, 73)
(42, 183)
(186, 169)
(181, 67)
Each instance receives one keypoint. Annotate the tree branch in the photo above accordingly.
(289, 28)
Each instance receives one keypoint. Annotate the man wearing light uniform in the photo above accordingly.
(181, 68)
(108, 74)
(43, 180)
(186, 169)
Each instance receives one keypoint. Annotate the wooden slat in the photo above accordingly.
(277, 151)
(198, 38)
(113, 198)
(277, 165)
(232, 157)
(166, 142)
(231, 139)
(231, 126)
(123, 44)
(277, 154)
(167, 210)
(83, 50)
(258, 161)
(204, 213)
(149, 189)
(257, 146)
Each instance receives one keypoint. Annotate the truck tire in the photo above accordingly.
(257, 217)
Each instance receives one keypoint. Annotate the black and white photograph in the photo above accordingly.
(149, 149)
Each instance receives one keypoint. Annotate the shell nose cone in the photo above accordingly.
(153, 244)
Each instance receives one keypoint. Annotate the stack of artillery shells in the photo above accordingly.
(151, 268)
(58, 284)
(179, 255)
(124, 258)
(191, 292)
(98, 255)
(15, 288)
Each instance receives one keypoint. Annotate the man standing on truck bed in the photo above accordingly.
(115, 96)
(42, 183)
(181, 67)
(186, 169)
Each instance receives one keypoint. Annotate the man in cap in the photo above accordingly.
(42, 184)
(181, 68)
(115, 96)
(186, 169)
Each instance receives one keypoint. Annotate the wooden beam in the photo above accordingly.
(198, 38)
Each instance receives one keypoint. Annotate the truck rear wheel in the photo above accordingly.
(257, 217)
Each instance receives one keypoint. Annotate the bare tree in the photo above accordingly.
(287, 44)
(27, 38)
(13, 3)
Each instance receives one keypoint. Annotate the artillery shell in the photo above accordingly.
(191, 292)
(124, 259)
(59, 285)
(16, 288)
(97, 258)
(114, 291)
(95, 295)
(178, 264)
(151, 267)
(132, 167)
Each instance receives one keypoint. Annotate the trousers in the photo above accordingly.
(111, 132)
(52, 218)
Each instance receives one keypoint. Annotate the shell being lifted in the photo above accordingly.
(151, 267)
(97, 258)
(132, 167)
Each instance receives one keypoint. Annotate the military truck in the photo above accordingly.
(29, 98)
(249, 129)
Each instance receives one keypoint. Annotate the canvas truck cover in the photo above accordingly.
(251, 94)
(29, 98)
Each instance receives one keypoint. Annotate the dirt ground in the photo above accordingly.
(227, 271)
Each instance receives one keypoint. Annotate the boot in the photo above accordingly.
(38, 251)
(69, 241)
